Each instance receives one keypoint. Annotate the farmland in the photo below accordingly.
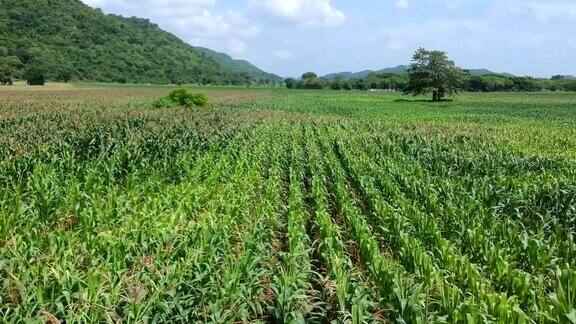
(277, 205)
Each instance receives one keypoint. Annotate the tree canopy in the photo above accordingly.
(309, 75)
(433, 71)
(8, 67)
(35, 74)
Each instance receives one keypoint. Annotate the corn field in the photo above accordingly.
(275, 206)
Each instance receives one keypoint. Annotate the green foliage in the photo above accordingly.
(183, 98)
(292, 206)
(63, 73)
(199, 100)
(433, 71)
(472, 83)
(313, 83)
(241, 72)
(308, 80)
(163, 102)
(7, 70)
(309, 75)
(488, 83)
(290, 83)
(35, 75)
(93, 46)
(391, 82)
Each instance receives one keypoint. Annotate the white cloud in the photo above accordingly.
(174, 8)
(97, 3)
(153, 4)
(196, 21)
(215, 26)
(301, 12)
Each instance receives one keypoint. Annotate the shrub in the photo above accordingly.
(162, 103)
(200, 100)
(184, 98)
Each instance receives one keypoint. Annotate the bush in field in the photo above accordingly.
(181, 98)
(162, 103)
(200, 100)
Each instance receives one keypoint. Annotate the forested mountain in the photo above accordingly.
(68, 40)
(400, 70)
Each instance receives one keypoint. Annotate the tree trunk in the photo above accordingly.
(435, 96)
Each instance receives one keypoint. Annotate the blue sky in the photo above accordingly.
(289, 37)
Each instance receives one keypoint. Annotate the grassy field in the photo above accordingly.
(277, 205)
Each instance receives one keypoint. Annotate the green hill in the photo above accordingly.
(238, 66)
(67, 39)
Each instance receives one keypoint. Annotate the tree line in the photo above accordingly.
(471, 83)
(433, 71)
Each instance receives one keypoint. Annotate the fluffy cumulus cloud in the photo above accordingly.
(302, 12)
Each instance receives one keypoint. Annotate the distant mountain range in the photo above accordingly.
(70, 40)
(400, 69)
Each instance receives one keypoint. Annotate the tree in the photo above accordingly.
(7, 70)
(360, 84)
(62, 72)
(35, 75)
(314, 83)
(526, 84)
(346, 85)
(309, 75)
(477, 83)
(337, 84)
(433, 71)
(310, 80)
(290, 83)
(64, 75)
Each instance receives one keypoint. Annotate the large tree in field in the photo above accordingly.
(433, 71)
